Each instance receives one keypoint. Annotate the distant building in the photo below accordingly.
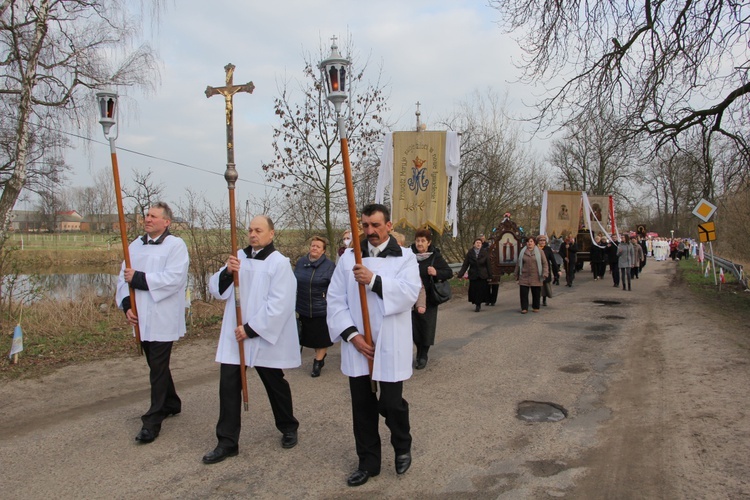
(68, 221)
(26, 221)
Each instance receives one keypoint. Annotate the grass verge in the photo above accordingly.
(61, 333)
(731, 299)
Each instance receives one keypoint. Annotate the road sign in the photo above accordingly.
(707, 232)
(704, 210)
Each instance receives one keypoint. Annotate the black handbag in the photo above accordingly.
(441, 291)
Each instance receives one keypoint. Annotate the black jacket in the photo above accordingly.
(438, 262)
(478, 266)
(554, 268)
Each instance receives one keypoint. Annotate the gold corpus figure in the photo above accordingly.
(231, 176)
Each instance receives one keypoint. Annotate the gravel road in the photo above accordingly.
(656, 388)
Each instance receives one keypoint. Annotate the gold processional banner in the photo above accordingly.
(420, 183)
(600, 209)
(563, 213)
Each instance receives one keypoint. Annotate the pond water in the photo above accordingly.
(69, 285)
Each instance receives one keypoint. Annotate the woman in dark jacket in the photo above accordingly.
(432, 267)
(554, 269)
(477, 262)
(313, 273)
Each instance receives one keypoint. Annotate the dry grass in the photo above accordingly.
(57, 333)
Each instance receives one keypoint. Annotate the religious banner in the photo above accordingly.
(599, 215)
(420, 182)
(562, 211)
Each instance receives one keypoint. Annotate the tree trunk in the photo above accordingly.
(17, 180)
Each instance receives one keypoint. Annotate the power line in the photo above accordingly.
(146, 155)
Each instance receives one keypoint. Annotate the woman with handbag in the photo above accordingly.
(531, 271)
(432, 269)
(541, 242)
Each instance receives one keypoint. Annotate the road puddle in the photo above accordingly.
(538, 411)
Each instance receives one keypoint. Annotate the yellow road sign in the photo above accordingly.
(707, 232)
(704, 210)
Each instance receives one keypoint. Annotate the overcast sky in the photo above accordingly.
(433, 51)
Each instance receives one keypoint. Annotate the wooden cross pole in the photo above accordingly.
(231, 176)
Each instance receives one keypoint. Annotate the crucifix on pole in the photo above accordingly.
(230, 175)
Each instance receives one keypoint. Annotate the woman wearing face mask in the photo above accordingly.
(313, 272)
(531, 271)
(346, 240)
(432, 267)
(477, 263)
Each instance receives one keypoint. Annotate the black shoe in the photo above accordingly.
(421, 363)
(478, 308)
(289, 439)
(403, 462)
(544, 303)
(218, 454)
(616, 285)
(173, 412)
(359, 477)
(556, 282)
(146, 436)
(318, 365)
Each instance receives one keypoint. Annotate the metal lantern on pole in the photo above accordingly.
(335, 71)
(107, 101)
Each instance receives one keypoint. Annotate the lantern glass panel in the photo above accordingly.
(110, 108)
(334, 79)
(343, 79)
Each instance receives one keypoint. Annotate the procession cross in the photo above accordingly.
(231, 176)
(228, 92)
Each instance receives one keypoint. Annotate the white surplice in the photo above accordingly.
(268, 291)
(390, 317)
(161, 308)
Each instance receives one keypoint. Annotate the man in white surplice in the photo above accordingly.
(391, 276)
(159, 276)
(268, 335)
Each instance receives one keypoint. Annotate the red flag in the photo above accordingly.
(721, 275)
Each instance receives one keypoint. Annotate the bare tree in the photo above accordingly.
(143, 192)
(593, 157)
(307, 158)
(54, 53)
(207, 236)
(666, 67)
(497, 174)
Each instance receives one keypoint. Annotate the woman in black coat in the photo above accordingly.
(432, 267)
(554, 269)
(313, 273)
(477, 262)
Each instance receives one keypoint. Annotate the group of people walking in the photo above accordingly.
(325, 298)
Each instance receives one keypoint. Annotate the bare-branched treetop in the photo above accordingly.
(664, 66)
(593, 156)
(307, 154)
(55, 54)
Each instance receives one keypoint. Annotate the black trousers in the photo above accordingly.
(570, 272)
(494, 289)
(536, 293)
(614, 268)
(164, 398)
(230, 402)
(366, 411)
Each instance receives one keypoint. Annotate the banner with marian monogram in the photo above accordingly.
(420, 183)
